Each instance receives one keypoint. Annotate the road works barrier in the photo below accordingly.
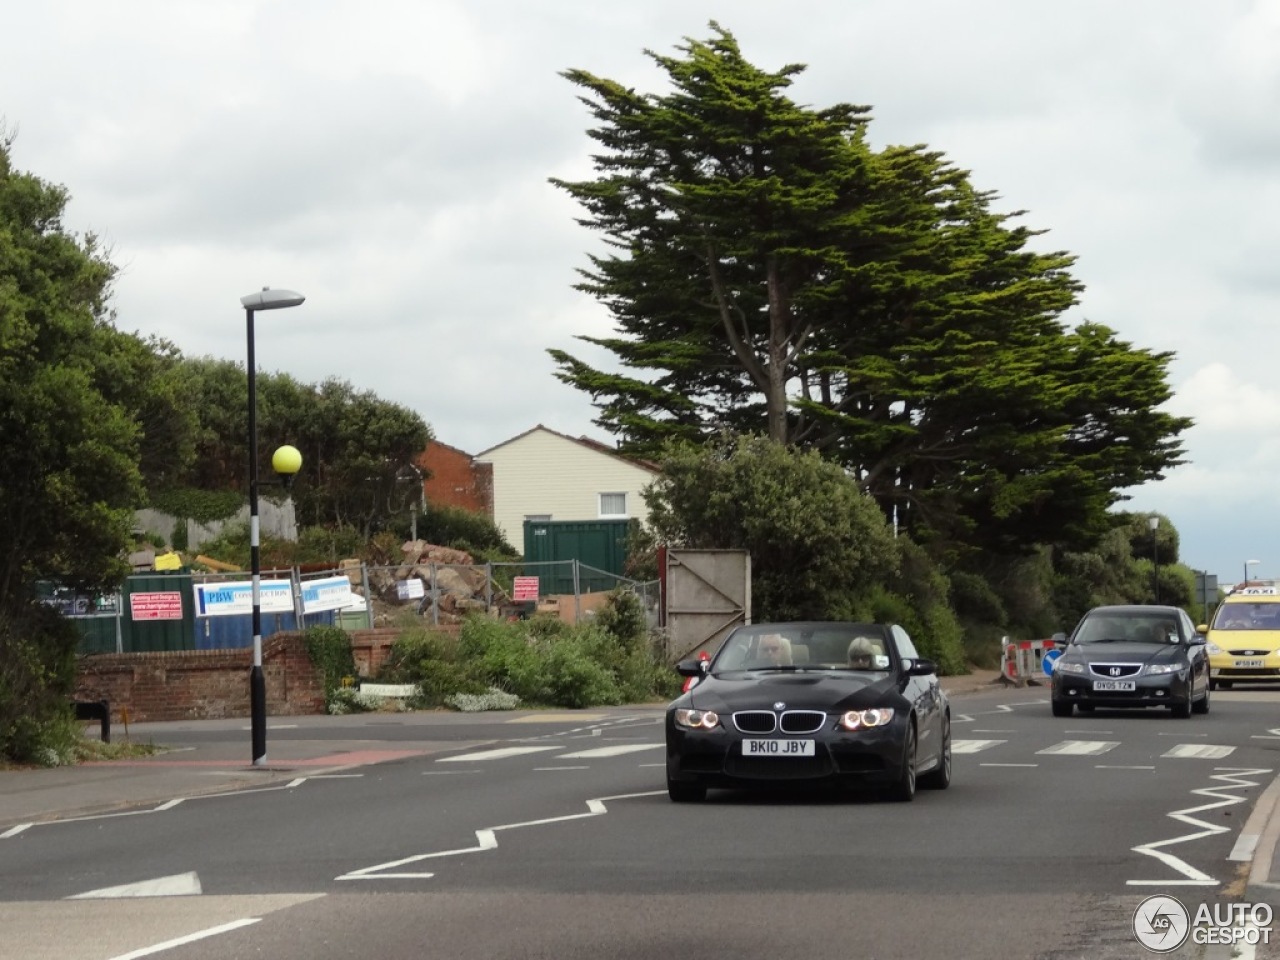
(1023, 660)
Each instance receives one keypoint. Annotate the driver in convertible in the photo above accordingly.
(773, 650)
(862, 654)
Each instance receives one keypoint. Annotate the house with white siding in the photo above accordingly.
(545, 475)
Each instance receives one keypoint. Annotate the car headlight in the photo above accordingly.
(1069, 666)
(697, 719)
(1159, 668)
(1212, 649)
(864, 719)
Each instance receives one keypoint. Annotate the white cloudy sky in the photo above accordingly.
(389, 159)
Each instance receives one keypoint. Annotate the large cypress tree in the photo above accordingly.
(769, 272)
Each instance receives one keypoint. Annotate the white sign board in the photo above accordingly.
(411, 589)
(331, 593)
(229, 599)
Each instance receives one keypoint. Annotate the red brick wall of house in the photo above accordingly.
(214, 684)
(455, 481)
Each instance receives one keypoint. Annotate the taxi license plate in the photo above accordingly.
(1121, 685)
(777, 748)
(1248, 664)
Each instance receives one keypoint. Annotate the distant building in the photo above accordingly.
(545, 475)
(454, 479)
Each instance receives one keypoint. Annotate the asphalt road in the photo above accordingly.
(564, 845)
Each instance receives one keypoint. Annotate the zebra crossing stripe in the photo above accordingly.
(1080, 748)
(614, 751)
(974, 746)
(497, 754)
(1199, 751)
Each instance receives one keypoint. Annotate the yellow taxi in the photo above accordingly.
(1244, 638)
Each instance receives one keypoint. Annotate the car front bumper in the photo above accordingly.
(714, 758)
(1157, 690)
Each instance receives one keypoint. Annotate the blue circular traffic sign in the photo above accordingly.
(1047, 663)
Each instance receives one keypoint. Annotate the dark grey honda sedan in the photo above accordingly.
(1133, 656)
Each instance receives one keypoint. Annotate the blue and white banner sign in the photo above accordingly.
(331, 593)
(236, 598)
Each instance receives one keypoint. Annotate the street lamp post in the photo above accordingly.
(265, 299)
(1154, 523)
(419, 503)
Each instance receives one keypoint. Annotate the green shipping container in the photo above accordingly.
(599, 544)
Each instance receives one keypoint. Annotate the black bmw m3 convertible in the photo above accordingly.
(846, 703)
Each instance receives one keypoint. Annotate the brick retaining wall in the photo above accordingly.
(214, 684)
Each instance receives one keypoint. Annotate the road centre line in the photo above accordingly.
(486, 839)
(1008, 764)
(585, 766)
(1122, 766)
(1237, 778)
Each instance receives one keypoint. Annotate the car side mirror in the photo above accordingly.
(922, 668)
(1198, 638)
(693, 667)
(1059, 638)
(1202, 628)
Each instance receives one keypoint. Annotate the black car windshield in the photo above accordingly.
(1140, 628)
(845, 646)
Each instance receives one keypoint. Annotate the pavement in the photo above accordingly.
(221, 764)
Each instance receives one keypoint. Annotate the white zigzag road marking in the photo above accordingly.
(1237, 777)
(486, 839)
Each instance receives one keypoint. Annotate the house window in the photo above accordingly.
(613, 505)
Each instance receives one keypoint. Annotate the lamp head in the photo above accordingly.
(286, 461)
(268, 299)
(1153, 522)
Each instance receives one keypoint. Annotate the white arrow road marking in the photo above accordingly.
(190, 938)
(1080, 748)
(1199, 751)
(614, 751)
(973, 746)
(486, 840)
(499, 753)
(178, 885)
(1237, 777)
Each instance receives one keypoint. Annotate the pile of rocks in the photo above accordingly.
(450, 581)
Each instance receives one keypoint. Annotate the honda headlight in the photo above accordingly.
(1068, 666)
(697, 719)
(1155, 669)
(864, 719)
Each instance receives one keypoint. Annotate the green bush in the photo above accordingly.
(330, 651)
(542, 661)
(37, 680)
(574, 677)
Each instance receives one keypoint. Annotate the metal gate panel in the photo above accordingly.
(706, 594)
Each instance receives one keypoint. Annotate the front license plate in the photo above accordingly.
(1248, 664)
(777, 748)
(1121, 685)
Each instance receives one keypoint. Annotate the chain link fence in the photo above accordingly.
(179, 610)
